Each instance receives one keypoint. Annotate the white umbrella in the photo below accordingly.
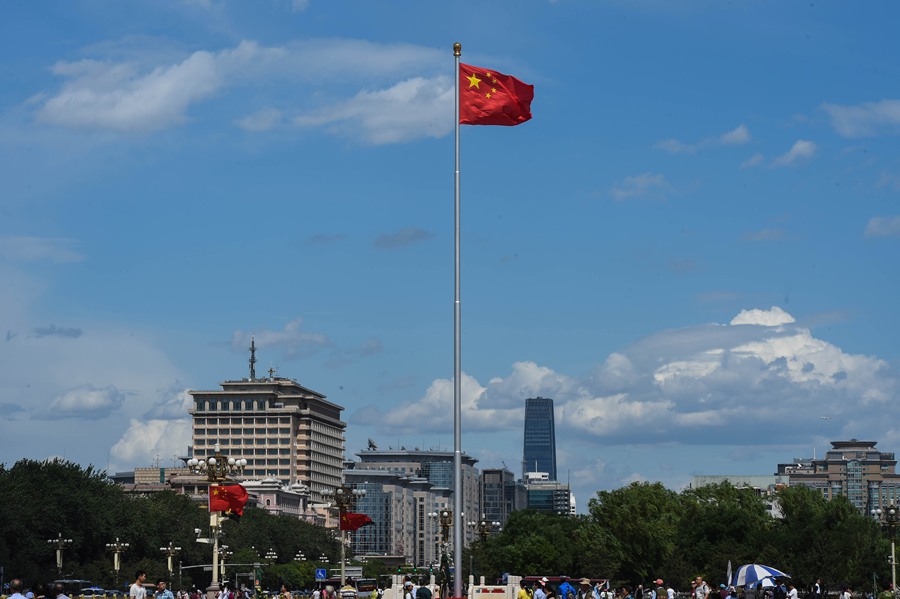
(750, 573)
(764, 583)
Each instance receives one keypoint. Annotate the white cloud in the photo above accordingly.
(772, 317)
(38, 249)
(292, 340)
(645, 185)
(801, 150)
(738, 136)
(144, 441)
(867, 119)
(753, 160)
(410, 109)
(673, 146)
(883, 226)
(85, 401)
(174, 404)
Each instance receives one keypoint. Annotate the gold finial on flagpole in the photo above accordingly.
(457, 49)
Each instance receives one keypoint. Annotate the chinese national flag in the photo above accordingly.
(491, 98)
(224, 498)
(351, 521)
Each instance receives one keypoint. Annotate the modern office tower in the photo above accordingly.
(402, 488)
(545, 495)
(284, 430)
(539, 454)
(501, 494)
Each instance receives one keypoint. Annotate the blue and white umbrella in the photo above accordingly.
(750, 573)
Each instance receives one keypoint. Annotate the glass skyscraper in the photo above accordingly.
(539, 451)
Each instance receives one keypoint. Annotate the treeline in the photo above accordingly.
(40, 500)
(631, 535)
(644, 531)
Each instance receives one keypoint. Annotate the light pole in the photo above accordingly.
(483, 527)
(224, 554)
(271, 556)
(217, 468)
(117, 548)
(445, 520)
(889, 518)
(60, 544)
(300, 557)
(170, 552)
(345, 498)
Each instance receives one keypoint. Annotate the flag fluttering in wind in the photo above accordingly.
(228, 498)
(350, 521)
(490, 98)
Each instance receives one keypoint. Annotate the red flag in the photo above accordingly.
(492, 98)
(351, 521)
(223, 498)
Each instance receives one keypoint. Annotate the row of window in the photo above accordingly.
(215, 405)
(243, 431)
(247, 420)
(239, 442)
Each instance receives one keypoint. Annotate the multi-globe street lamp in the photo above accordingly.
(445, 521)
(217, 468)
(345, 498)
(889, 518)
(271, 556)
(170, 551)
(60, 543)
(117, 548)
(483, 527)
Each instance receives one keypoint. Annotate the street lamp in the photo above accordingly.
(224, 554)
(117, 548)
(483, 527)
(170, 552)
(60, 544)
(271, 556)
(217, 468)
(889, 518)
(345, 498)
(445, 521)
(299, 557)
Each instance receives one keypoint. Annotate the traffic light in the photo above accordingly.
(399, 570)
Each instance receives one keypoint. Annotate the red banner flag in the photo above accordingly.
(223, 498)
(491, 98)
(351, 521)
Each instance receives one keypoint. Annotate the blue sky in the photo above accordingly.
(692, 246)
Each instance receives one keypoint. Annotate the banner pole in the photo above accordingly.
(457, 367)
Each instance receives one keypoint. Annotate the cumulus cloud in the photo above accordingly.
(145, 440)
(883, 226)
(38, 249)
(173, 404)
(801, 150)
(865, 120)
(293, 341)
(402, 238)
(737, 136)
(645, 185)
(85, 401)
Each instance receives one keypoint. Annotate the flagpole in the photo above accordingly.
(457, 369)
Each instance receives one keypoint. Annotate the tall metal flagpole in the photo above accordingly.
(457, 369)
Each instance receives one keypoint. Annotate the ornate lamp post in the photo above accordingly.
(60, 543)
(117, 548)
(217, 468)
(170, 552)
(445, 521)
(889, 518)
(224, 554)
(271, 556)
(345, 498)
(299, 557)
(483, 527)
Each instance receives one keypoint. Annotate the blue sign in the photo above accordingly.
(321, 574)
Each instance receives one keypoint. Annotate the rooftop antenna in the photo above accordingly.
(252, 358)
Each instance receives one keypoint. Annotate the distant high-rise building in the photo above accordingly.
(539, 454)
(284, 430)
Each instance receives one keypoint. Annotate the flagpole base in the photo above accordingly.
(212, 591)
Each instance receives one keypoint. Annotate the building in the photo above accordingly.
(405, 490)
(546, 495)
(854, 469)
(501, 494)
(284, 430)
(763, 485)
(539, 447)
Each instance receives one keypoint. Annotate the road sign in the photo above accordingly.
(321, 574)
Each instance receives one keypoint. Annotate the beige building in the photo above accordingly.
(285, 431)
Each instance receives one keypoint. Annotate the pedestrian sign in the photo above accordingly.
(321, 574)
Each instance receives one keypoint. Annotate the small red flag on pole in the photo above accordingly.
(487, 97)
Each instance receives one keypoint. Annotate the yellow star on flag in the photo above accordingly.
(474, 80)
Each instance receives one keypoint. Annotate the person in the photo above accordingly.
(540, 588)
(524, 592)
(15, 589)
(660, 590)
(348, 591)
(408, 590)
(566, 590)
(700, 588)
(846, 592)
(137, 590)
(59, 591)
(670, 592)
(423, 592)
(886, 593)
(585, 589)
(317, 593)
(161, 591)
(792, 591)
(816, 589)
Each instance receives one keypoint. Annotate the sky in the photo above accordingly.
(692, 246)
